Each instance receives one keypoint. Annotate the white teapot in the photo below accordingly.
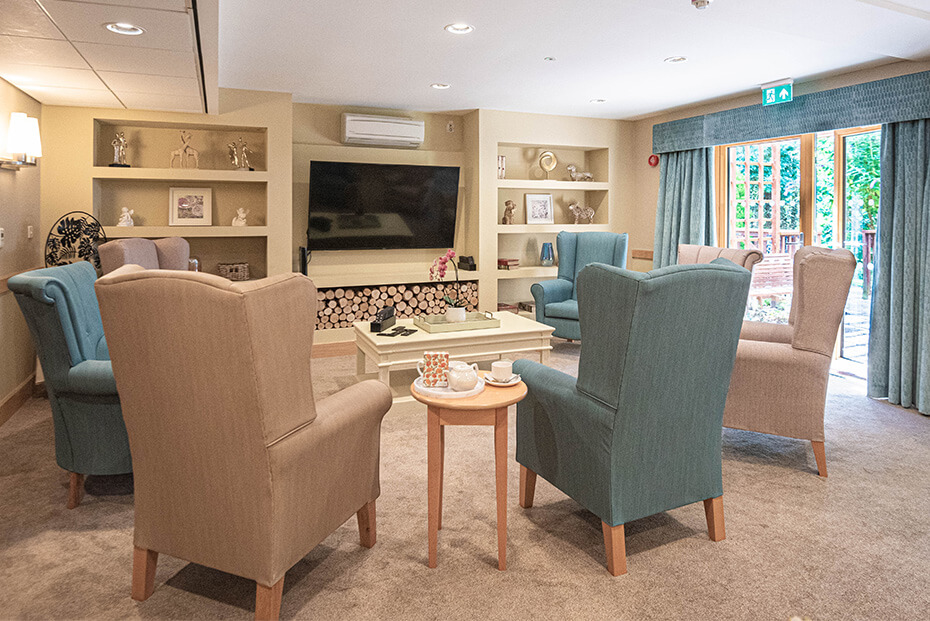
(462, 376)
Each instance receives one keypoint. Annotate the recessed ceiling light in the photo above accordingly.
(124, 28)
(440, 86)
(549, 58)
(598, 101)
(459, 28)
(672, 60)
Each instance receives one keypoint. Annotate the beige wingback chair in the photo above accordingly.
(779, 381)
(169, 253)
(236, 467)
(690, 253)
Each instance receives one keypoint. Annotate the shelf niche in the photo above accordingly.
(523, 162)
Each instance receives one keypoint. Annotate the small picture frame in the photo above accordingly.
(190, 207)
(539, 209)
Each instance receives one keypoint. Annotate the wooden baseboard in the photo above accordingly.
(16, 398)
(332, 350)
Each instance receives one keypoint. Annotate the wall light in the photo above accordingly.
(23, 143)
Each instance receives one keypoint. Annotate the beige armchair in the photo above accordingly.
(690, 253)
(779, 381)
(236, 467)
(169, 253)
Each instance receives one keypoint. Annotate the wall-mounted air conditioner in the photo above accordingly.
(388, 131)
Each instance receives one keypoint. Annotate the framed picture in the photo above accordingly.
(190, 207)
(539, 209)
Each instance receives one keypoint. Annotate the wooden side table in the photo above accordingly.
(487, 408)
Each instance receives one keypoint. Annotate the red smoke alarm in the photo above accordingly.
(653, 160)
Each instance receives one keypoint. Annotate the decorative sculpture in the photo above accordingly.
(74, 237)
(239, 154)
(239, 220)
(125, 218)
(579, 176)
(548, 161)
(582, 213)
(186, 154)
(119, 151)
(509, 207)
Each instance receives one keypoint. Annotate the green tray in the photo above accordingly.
(473, 321)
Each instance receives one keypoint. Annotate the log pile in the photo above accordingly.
(339, 307)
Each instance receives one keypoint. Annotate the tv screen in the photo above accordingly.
(378, 206)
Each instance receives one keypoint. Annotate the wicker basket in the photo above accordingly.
(234, 271)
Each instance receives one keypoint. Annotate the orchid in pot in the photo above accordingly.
(455, 310)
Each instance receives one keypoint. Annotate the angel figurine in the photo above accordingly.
(239, 220)
(125, 218)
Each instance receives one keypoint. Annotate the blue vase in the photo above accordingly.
(546, 257)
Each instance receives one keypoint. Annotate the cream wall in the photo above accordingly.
(19, 208)
(646, 186)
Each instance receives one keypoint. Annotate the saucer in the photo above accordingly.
(513, 381)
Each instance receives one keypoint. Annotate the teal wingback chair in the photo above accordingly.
(639, 431)
(557, 300)
(60, 307)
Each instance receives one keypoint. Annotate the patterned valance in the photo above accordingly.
(904, 98)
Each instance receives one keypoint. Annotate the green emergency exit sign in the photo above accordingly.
(781, 93)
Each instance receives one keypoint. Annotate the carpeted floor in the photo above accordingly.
(854, 546)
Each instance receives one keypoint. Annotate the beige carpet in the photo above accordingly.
(855, 546)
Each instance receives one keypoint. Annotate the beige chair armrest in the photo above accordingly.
(770, 332)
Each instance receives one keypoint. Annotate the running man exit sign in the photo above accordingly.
(777, 92)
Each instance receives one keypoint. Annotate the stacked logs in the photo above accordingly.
(339, 307)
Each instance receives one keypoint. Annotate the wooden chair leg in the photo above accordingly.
(713, 511)
(75, 490)
(143, 573)
(366, 524)
(615, 546)
(527, 487)
(268, 601)
(820, 454)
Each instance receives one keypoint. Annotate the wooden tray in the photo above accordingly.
(473, 321)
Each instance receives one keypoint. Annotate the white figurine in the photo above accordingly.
(186, 154)
(581, 213)
(239, 220)
(125, 218)
(579, 176)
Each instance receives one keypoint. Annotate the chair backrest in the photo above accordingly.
(691, 253)
(577, 250)
(822, 277)
(210, 373)
(659, 347)
(61, 311)
(169, 253)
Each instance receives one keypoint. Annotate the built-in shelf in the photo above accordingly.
(534, 271)
(116, 232)
(547, 184)
(330, 276)
(523, 229)
(180, 174)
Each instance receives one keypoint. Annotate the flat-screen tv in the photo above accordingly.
(377, 206)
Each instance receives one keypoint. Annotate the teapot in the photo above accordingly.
(462, 376)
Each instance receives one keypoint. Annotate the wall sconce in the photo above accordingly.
(22, 142)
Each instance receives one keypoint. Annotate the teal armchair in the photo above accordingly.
(61, 310)
(557, 300)
(639, 431)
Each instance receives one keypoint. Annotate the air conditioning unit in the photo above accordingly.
(387, 131)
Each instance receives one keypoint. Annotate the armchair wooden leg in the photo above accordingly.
(268, 601)
(713, 511)
(366, 524)
(75, 490)
(143, 573)
(527, 487)
(615, 545)
(820, 454)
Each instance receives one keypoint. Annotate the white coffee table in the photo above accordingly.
(516, 335)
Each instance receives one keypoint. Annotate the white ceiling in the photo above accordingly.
(59, 52)
(386, 53)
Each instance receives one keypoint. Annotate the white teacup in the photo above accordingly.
(502, 370)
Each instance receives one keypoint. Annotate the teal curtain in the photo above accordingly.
(685, 213)
(899, 339)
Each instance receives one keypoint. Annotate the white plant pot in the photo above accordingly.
(455, 315)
